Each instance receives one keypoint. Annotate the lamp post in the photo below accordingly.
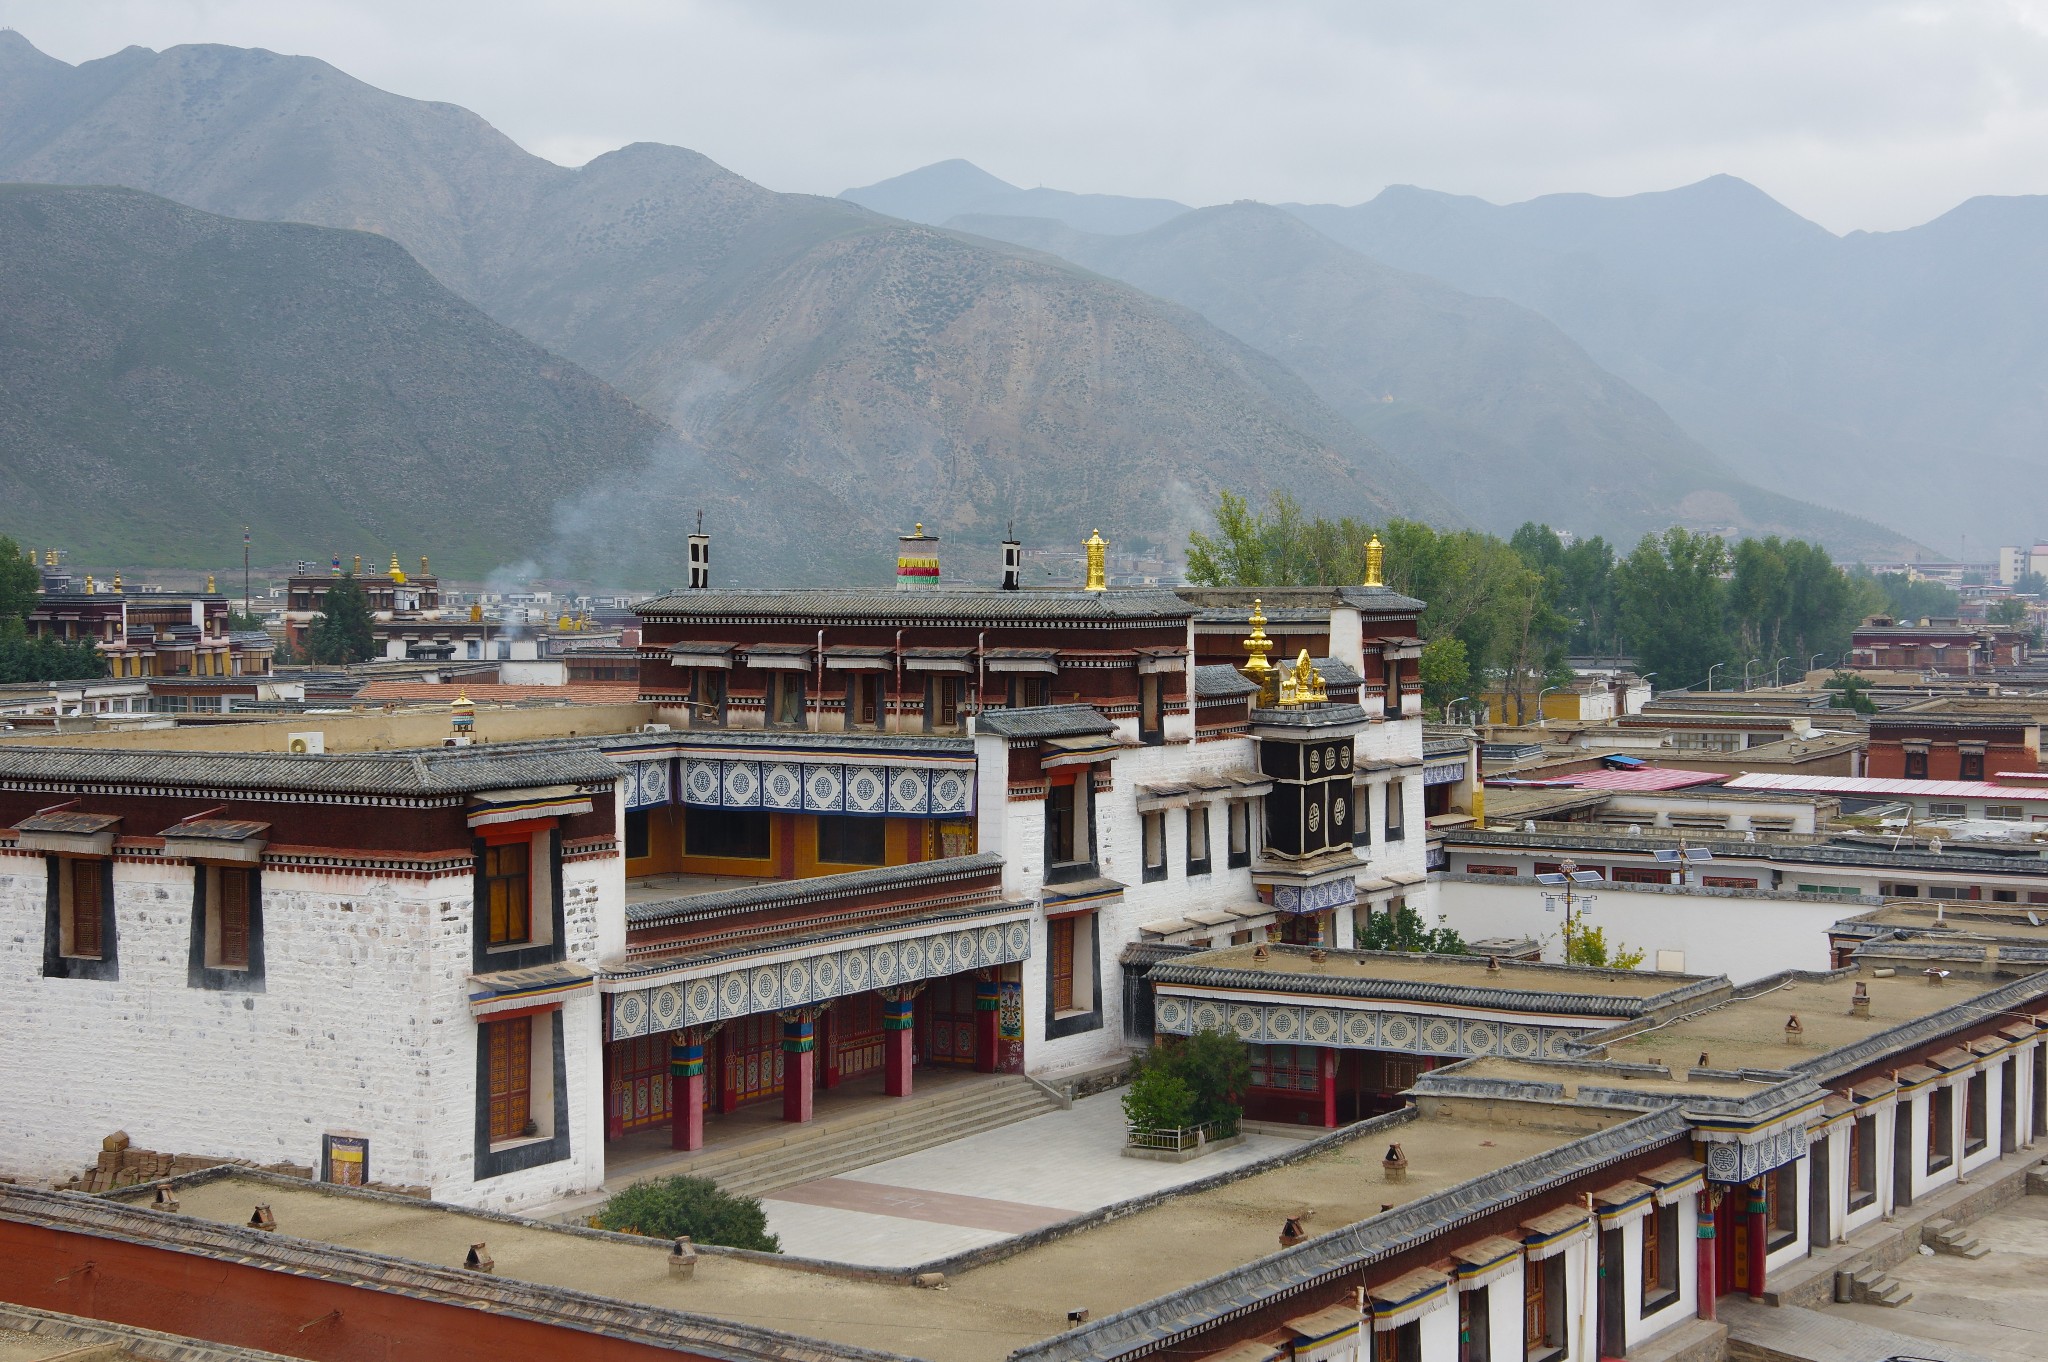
(1710, 674)
(1451, 710)
(1753, 662)
(1774, 670)
(1542, 719)
(1813, 663)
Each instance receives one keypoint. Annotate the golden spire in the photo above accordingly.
(1258, 670)
(90, 589)
(423, 566)
(1098, 569)
(1301, 684)
(117, 584)
(396, 573)
(50, 558)
(1375, 562)
(209, 584)
(359, 565)
(476, 613)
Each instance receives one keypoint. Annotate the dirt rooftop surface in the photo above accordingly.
(983, 1314)
(1571, 1080)
(1979, 919)
(1464, 971)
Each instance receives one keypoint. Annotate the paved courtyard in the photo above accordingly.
(984, 1188)
(1996, 1306)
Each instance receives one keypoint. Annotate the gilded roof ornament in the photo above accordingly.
(1098, 562)
(1375, 562)
(1257, 669)
(1302, 684)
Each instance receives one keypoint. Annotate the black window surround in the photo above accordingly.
(198, 974)
(512, 1158)
(1074, 1023)
(1080, 804)
(1198, 816)
(484, 958)
(56, 964)
(1152, 832)
(1238, 828)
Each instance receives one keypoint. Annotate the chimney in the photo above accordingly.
(1859, 1001)
(479, 1259)
(262, 1219)
(1794, 1032)
(917, 560)
(166, 1197)
(1394, 1167)
(700, 557)
(682, 1262)
(1013, 561)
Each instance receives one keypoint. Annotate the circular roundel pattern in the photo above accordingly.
(1554, 1044)
(1208, 1016)
(742, 784)
(821, 790)
(732, 994)
(1315, 817)
(885, 964)
(911, 960)
(1171, 1014)
(1315, 761)
(1337, 812)
(1724, 1161)
(1359, 1029)
(630, 1014)
(949, 792)
(1245, 1021)
(1518, 1041)
(940, 953)
(825, 970)
(703, 998)
(1482, 1037)
(1330, 757)
(1397, 1031)
(1282, 1022)
(863, 790)
(701, 785)
(796, 982)
(856, 967)
(991, 945)
(1439, 1036)
(1018, 940)
(667, 1008)
(1344, 754)
(1322, 1025)
(766, 986)
(907, 791)
(782, 787)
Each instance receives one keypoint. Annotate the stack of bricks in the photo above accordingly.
(122, 1165)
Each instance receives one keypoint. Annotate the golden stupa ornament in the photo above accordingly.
(1098, 562)
(1301, 684)
(423, 566)
(1375, 562)
(209, 584)
(1257, 669)
(396, 573)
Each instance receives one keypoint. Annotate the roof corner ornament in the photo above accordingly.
(1098, 562)
(1302, 684)
(1375, 562)
(1257, 669)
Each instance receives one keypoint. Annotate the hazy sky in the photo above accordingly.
(1868, 115)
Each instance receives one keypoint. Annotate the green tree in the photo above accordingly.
(1907, 599)
(663, 1208)
(342, 633)
(2030, 584)
(20, 582)
(1159, 1100)
(1404, 930)
(1214, 1066)
(1588, 946)
(1850, 692)
(2010, 612)
(1672, 605)
(1446, 671)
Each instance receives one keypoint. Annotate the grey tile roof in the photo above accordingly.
(428, 771)
(1309, 716)
(1369, 600)
(1520, 987)
(217, 829)
(1044, 721)
(1335, 671)
(741, 739)
(1216, 682)
(69, 821)
(826, 605)
(818, 888)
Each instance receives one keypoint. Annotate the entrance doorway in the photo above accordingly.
(636, 1083)
(1902, 1153)
(945, 1022)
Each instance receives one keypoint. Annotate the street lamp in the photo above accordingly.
(1710, 674)
(1813, 663)
(1753, 662)
(1568, 879)
(1451, 710)
(1774, 670)
(1542, 719)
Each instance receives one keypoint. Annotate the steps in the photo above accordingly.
(827, 1149)
(1871, 1287)
(1945, 1236)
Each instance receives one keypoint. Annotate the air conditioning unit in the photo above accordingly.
(305, 744)
(656, 728)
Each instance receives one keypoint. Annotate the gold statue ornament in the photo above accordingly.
(1258, 670)
(1302, 684)
(1375, 562)
(1098, 569)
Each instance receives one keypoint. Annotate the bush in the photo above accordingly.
(1158, 1100)
(1215, 1069)
(1403, 930)
(663, 1208)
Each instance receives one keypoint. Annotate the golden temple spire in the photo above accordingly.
(209, 584)
(396, 573)
(1257, 669)
(1098, 562)
(1375, 562)
(423, 566)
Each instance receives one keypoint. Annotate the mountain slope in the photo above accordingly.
(948, 189)
(172, 376)
(858, 372)
(1475, 393)
(1868, 371)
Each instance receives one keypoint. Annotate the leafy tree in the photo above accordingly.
(1404, 930)
(1906, 599)
(1672, 613)
(1159, 1100)
(1213, 1066)
(1588, 946)
(2010, 612)
(2030, 584)
(663, 1208)
(241, 622)
(45, 659)
(342, 633)
(1850, 692)
(1446, 671)
(20, 583)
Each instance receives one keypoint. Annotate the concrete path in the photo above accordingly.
(1791, 1331)
(1997, 1305)
(984, 1189)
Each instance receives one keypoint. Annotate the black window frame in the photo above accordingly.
(199, 973)
(106, 966)
(1073, 1023)
(1238, 823)
(486, 958)
(834, 826)
(1394, 818)
(1149, 821)
(1941, 1128)
(1198, 816)
(639, 834)
(513, 1158)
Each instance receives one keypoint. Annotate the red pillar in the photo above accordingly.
(1758, 1208)
(1326, 1069)
(896, 1036)
(686, 1096)
(987, 1001)
(799, 1065)
(1708, 1249)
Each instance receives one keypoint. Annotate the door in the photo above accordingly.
(1820, 1231)
(856, 1036)
(1613, 1295)
(639, 1082)
(945, 1022)
(2008, 1106)
(1902, 1153)
(753, 1059)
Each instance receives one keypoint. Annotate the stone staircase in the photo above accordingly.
(828, 1148)
(1871, 1287)
(1945, 1236)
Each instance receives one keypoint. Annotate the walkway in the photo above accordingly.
(1995, 1305)
(985, 1188)
(1794, 1332)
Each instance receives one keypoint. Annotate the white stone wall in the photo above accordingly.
(363, 1025)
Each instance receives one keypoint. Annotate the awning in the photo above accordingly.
(1552, 1233)
(1082, 751)
(1009, 661)
(68, 832)
(702, 654)
(1676, 1180)
(1322, 1328)
(1913, 1075)
(938, 659)
(1874, 1089)
(1485, 1260)
(1408, 1296)
(845, 657)
(1151, 662)
(1953, 1058)
(1625, 1202)
(780, 657)
(1080, 895)
(217, 839)
(520, 806)
(527, 990)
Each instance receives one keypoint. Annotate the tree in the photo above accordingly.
(2030, 584)
(1672, 606)
(1403, 930)
(1215, 1069)
(2010, 612)
(1908, 599)
(1445, 671)
(663, 1208)
(342, 633)
(20, 582)
(1588, 946)
(1850, 692)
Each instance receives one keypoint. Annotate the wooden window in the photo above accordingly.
(1660, 1259)
(1154, 829)
(733, 834)
(1781, 1205)
(1240, 833)
(1402, 1074)
(1916, 766)
(1543, 1307)
(1395, 790)
(1198, 839)
(1484, 868)
(2005, 813)
(510, 1050)
(1402, 1343)
(1976, 1112)
(230, 937)
(942, 710)
(1863, 1163)
(707, 695)
(786, 700)
(82, 913)
(1943, 808)
(1029, 692)
(1972, 766)
(1287, 1068)
(1640, 874)
(1941, 1128)
(844, 839)
(864, 700)
(1063, 841)
(1361, 815)
(507, 893)
(1059, 935)
(1150, 727)
(1727, 882)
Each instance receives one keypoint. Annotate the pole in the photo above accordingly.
(245, 574)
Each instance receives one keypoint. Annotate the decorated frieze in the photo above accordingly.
(1267, 1023)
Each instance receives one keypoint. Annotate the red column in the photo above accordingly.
(897, 1015)
(1326, 1069)
(686, 1096)
(987, 1001)
(1708, 1203)
(799, 1065)
(1758, 1207)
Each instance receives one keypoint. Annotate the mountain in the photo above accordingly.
(853, 372)
(951, 189)
(1477, 394)
(1898, 375)
(173, 376)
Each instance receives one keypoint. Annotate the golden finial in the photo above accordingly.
(476, 613)
(359, 565)
(423, 566)
(1098, 569)
(1375, 561)
(395, 572)
(90, 589)
(117, 584)
(1301, 684)
(209, 584)
(50, 558)
(1258, 670)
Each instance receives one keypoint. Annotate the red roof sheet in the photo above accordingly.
(1644, 779)
(1865, 785)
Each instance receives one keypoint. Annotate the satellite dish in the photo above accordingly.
(2033, 918)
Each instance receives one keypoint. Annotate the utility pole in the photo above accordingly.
(246, 612)
(1574, 902)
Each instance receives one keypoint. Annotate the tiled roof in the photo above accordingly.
(1335, 671)
(817, 888)
(71, 822)
(1044, 721)
(1217, 681)
(1370, 600)
(428, 771)
(445, 692)
(943, 603)
(217, 829)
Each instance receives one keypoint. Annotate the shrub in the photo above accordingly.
(663, 1208)
(1213, 1066)
(1158, 1100)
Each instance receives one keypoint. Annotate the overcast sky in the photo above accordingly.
(1859, 115)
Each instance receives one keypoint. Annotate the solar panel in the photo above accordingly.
(1666, 854)
(1585, 877)
(1550, 879)
(1698, 854)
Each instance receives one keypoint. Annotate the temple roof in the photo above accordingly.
(828, 604)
